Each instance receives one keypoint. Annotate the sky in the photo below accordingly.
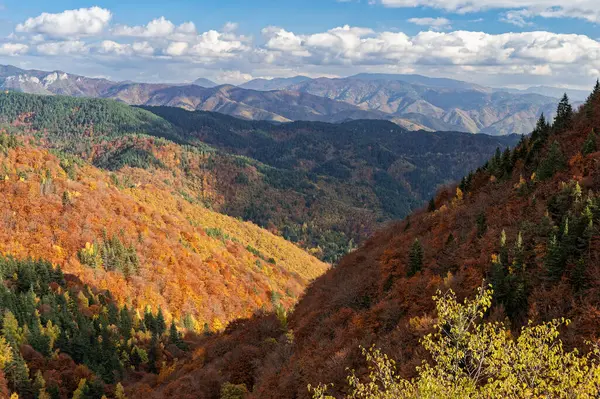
(514, 43)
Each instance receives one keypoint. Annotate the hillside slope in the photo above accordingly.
(326, 187)
(132, 232)
(527, 222)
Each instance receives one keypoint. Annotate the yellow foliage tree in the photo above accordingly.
(120, 392)
(78, 393)
(6, 354)
(476, 359)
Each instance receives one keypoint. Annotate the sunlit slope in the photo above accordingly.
(193, 262)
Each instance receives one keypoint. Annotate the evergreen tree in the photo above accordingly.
(36, 337)
(554, 261)
(173, 333)
(175, 336)
(415, 259)
(498, 280)
(564, 114)
(592, 100)
(590, 145)
(553, 162)
(17, 375)
(481, 222)
(125, 323)
(150, 321)
(578, 275)
(519, 258)
(431, 206)
(153, 355)
(542, 129)
(161, 325)
(507, 165)
(39, 386)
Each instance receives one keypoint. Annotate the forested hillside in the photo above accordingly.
(133, 232)
(78, 120)
(526, 223)
(341, 178)
(64, 339)
(325, 187)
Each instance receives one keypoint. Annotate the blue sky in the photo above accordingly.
(524, 42)
(305, 16)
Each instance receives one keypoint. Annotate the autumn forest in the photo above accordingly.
(163, 253)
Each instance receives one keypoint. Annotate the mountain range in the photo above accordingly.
(412, 101)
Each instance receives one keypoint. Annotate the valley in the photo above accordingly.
(164, 252)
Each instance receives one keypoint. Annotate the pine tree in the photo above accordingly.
(592, 100)
(174, 337)
(431, 206)
(39, 386)
(415, 259)
(507, 165)
(554, 261)
(125, 323)
(153, 354)
(150, 321)
(564, 114)
(578, 275)
(541, 130)
(553, 162)
(161, 325)
(519, 258)
(590, 145)
(17, 375)
(481, 222)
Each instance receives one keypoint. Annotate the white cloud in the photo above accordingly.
(176, 49)
(230, 27)
(432, 23)
(160, 47)
(582, 9)
(13, 49)
(208, 47)
(357, 46)
(69, 23)
(234, 77)
(113, 48)
(63, 48)
(157, 28)
(517, 17)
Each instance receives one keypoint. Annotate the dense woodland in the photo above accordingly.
(325, 187)
(61, 338)
(132, 233)
(526, 223)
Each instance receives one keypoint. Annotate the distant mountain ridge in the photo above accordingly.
(273, 84)
(414, 102)
(205, 83)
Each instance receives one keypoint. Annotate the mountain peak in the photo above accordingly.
(205, 83)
